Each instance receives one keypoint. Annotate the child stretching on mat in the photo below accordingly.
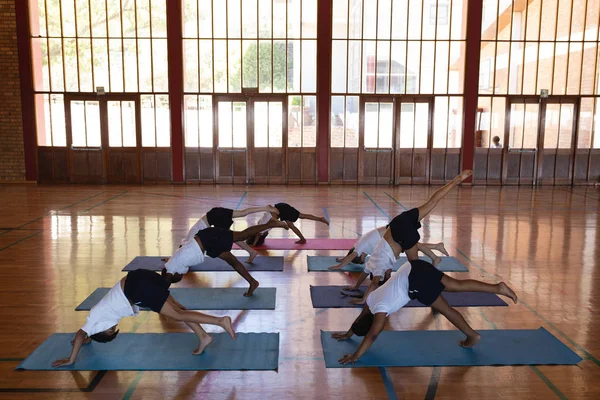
(289, 215)
(217, 243)
(223, 218)
(419, 280)
(140, 288)
(367, 243)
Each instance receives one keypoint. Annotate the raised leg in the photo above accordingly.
(426, 249)
(252, 210)
(256, 229)
(314, 218)
(195, 317)
(441, 305)
(472, 285)
(439, 194)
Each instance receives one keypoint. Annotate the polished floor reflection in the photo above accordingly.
(59, 243)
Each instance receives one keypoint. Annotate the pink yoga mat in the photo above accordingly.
(311, 244)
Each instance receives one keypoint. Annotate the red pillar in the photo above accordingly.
(175, 52)
(471, 82)
(323, 87)
(27, 94)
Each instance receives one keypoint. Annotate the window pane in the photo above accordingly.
(275, 124)
(414, 19)
(355, 19)
(42, 119)
(457, 68)
(384, 22)
(530, 68)
(589, 68)
(369, 20)
(371, 130)
(250, 61)
(265, 67)
(498, 117)
(413, 66)
(516, 68)
(205, 121)
(443, 20)
(37, 19)
(565, 135)
(279, 20)
(249, 21)
(148, 122)
(219, 19)
(427, 64)
(145, 65)
(407, 125)
(386, 125)
(563, 24)
(574, 72)
(293, 66)
(459, 20)
(578, 18)
(131, 76)
(421, 122)
(293, 15)
(484, 110)
(368, 67)
(261, 124)
(337, 121)
(159, 18)
(549, 14)
(115, 53)
(68, 17)
(143, 18)
(295, 121)
(340, 19)
(39, 50)
(128, 123)
(279, 66)
(78, 125)
(398, 73)
(455, 122)
(399, 19)
(309, 19)
(114, 124)
(92, 122)
(265, 19)
(100, 64)
(440, 124)
(591, 22)
(70, 51)
(441, 68)
(505, 14)
(128, 15)
(239, 124)
(533, 22)
(85, 65)
(309, 120)
(383, 67)
(159, 65)
(206, 65)
(83, 17)
(56, 65)
(190, 115)
(339, 58)
(190, 65)
(560, 68)
(163, 121)
(220, 65)
(235, 64)
(190, 18)
(596, 143)
(233, 19)
(585, 126)
(351, 121)
(59, 132)
(309, 66)
(354, 66)
(501, 80)
(552, 126)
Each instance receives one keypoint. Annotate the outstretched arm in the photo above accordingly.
(345, 261)
(295, 229)
(360, 280)
(80, 338)
(348, 335)
(372, 286)
(367, 342)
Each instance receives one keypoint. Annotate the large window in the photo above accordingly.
(85, 46)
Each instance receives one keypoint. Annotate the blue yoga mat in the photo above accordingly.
(336, 297)
(261, 263)
(322, 264)
(441, 348)
(160, 352)
(206, 298)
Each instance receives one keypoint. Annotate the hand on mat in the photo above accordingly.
(87, 340)
(348, 358)
(340, 335)
(339, 259)
(335, 267)
(62, 363)
(352, 288)
(357, 301)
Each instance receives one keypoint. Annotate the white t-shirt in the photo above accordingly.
(392, 295)
(263, 220)
(367, 243)
(381, 259)
(198, 226)
(186, 256)
(109, 311)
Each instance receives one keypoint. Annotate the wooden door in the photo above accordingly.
(413, 140)
(84, 139)
(123, 137)
(267, 150)
(376, 140)
(521, 139)
(557, 136)
(231, 138)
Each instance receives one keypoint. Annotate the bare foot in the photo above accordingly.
(252, 288)
(279, 224)
(503, 289)
(440, 247)
(338, 259)
(226, 324)
(272, 209)
(471, 341)
(203, 343)
(252, 257)
(301, 241)
(464, 175)
(324, 220)
(436, 261)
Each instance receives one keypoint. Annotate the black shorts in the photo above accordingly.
(405, 228)
(424, 282)
(220, 217)
(216, 241)
(146, 289)
(287, 212)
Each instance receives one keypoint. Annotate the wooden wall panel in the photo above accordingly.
(494, 169)
(239, 164)
(192, 165)
(336, 165)
(294, 164)
(225, 167)
(130, 167)
(207, 170)
(276, 164)
(452, 164)
(61, 165)
(149, 166)
(261, 162)
(527, 166)
(351, 165)
(594, 168)
(309, 167)
(369, 161)
(437, 165)
(480, 166)
(581, 165)
(163, 166)
(95, 166)
(384, 168)
(45, 165)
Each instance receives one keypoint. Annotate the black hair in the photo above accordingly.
(496, 139)
(103, 337)
(169, 277)
(362, 325)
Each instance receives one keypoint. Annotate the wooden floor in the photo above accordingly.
(59, 243)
